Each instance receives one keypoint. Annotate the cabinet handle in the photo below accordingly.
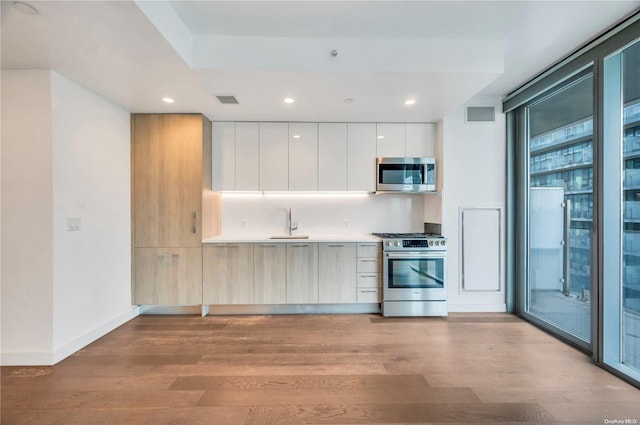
(369, 244)
(300, 246)
(220, 246)
(336, 245)
(268, 246)
(368, 275)
(368, 261)
(195, 222)
(368, 290)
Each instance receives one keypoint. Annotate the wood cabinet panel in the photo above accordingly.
(369, 295)
(361, 157)
(368, 265)
(370, 249)
(332, 156)
(269, 273)
(247, 160)
(336, 273)
(168, 276)
(227, 274)
(302, 273)
(274, 156)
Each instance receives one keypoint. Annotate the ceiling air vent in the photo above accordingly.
(481, 114)
(227, 100)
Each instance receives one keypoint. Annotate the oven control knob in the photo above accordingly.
(397, 243)
(430, 243)
(388, 243)
(443, 242)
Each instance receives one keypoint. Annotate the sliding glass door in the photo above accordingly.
(574, 200)
(621, 210)
(559, 135)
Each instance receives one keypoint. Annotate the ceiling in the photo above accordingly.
(443, 54)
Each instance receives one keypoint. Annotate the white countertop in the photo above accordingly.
(312, 238)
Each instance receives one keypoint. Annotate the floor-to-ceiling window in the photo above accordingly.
(574, 190)
(621, 209)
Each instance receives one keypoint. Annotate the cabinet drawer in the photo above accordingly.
(369, 249)
(368, 265)
(368, 280)
(368, 295)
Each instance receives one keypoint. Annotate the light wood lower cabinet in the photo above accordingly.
(227, 274)
(336, 273)
(269, 273)
(168, 276)
(302, 273)
(369, 266)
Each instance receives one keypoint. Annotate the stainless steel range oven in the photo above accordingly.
(414, 274)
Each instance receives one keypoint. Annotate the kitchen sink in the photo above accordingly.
(290, 237)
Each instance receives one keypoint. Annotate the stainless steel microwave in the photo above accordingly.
(413, 175)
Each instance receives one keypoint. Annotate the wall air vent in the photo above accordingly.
(481, 114)
(227, 100)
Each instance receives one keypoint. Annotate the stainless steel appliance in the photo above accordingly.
(413, 175)
(414, 274)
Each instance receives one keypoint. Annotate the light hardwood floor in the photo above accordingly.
(341, 369)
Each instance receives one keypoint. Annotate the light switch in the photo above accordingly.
(74, 224)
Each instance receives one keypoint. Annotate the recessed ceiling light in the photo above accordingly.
(25, 8)
(348, 100)
(288, 100)
(380, 137)
(296, 136)
(409, 101)
(167, 100)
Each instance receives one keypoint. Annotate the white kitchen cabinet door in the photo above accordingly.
(361, 157)
(332, 156)
(247, 156)
(223, 141)
(303, 156)
(420, 140)
(274, 156)
(391, 140)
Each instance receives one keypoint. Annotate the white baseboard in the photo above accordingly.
(50, 358)
(477, 308)
(27, 359)
(79, 343)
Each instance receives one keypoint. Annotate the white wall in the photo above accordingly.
(326, 214)
(474, 175)
(27, 202)
(91, 181)
(65, 154)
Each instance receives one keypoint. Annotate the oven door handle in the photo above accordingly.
(415, 255)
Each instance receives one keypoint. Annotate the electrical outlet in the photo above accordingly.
(74, 224)
(244, 223)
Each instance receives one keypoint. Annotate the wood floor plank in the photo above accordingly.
(385, 413)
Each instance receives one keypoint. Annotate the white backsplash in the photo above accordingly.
(321, 214)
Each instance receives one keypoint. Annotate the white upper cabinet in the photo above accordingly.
(274, 156)
(420, 140)
(361, 157)
(391, 140)
(332, 156)
(247, 158)
(223, 139)
(303, 156)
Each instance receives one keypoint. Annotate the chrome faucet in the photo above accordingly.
(292, 226)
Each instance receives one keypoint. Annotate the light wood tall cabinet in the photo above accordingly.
(302, 273)
(171, 193)
(228, 274)
(336, 273)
